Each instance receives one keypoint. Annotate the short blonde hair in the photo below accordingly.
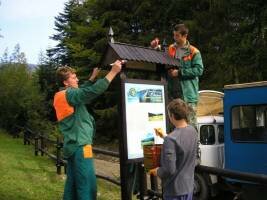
(63, 74)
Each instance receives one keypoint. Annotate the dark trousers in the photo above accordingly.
(180, 197)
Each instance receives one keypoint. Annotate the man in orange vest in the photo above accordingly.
(184, 82)
(78, 128)
(191, 67)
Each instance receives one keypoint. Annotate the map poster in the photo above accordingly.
(145, 110)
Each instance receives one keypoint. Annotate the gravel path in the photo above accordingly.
(107, 168)
(112, 170)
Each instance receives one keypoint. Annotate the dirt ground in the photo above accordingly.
(107, 168)
(110, 167)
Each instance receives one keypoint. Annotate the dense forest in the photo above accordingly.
(231, 35)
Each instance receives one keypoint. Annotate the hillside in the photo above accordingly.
(25, 176)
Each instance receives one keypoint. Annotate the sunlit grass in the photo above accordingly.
(25, 176)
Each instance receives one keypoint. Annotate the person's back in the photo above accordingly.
(184, 82)
(178, 179)
(178, 155)
(191, 66)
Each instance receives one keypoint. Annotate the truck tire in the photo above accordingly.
(201, 188)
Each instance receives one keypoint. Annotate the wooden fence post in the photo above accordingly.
(25, 136)
(42, 145)
(36, 148)
(58, 161)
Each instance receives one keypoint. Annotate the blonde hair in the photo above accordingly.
(63, 74)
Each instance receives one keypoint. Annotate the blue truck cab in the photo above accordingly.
(242, 141)
(245, 126)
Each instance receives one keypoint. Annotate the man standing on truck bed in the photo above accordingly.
(184, 82)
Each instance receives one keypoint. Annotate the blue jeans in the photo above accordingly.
(180, 197)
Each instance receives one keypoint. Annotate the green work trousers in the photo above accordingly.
(192, 117)
(81, 179)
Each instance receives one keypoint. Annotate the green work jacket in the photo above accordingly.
(75, 123)
(191, 67)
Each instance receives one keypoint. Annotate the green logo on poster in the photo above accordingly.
(132, 92)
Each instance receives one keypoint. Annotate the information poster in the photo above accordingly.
(145, 110)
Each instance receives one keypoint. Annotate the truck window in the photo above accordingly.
(220, 134)
(207, 135)
(249, 123)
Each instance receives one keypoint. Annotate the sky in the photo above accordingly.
(28, 23)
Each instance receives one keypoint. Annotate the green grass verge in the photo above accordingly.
(29, 177)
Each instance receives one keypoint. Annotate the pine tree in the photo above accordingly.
(232, 41)
(21, 102)
(4, 58)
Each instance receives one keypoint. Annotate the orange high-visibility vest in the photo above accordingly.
(193, 51)
(61, 105)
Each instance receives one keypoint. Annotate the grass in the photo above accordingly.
(29, 177)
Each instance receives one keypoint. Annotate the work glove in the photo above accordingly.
(153, 172)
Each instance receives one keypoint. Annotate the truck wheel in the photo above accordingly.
(201, 188)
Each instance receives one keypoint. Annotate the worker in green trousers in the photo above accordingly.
(78, 128)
